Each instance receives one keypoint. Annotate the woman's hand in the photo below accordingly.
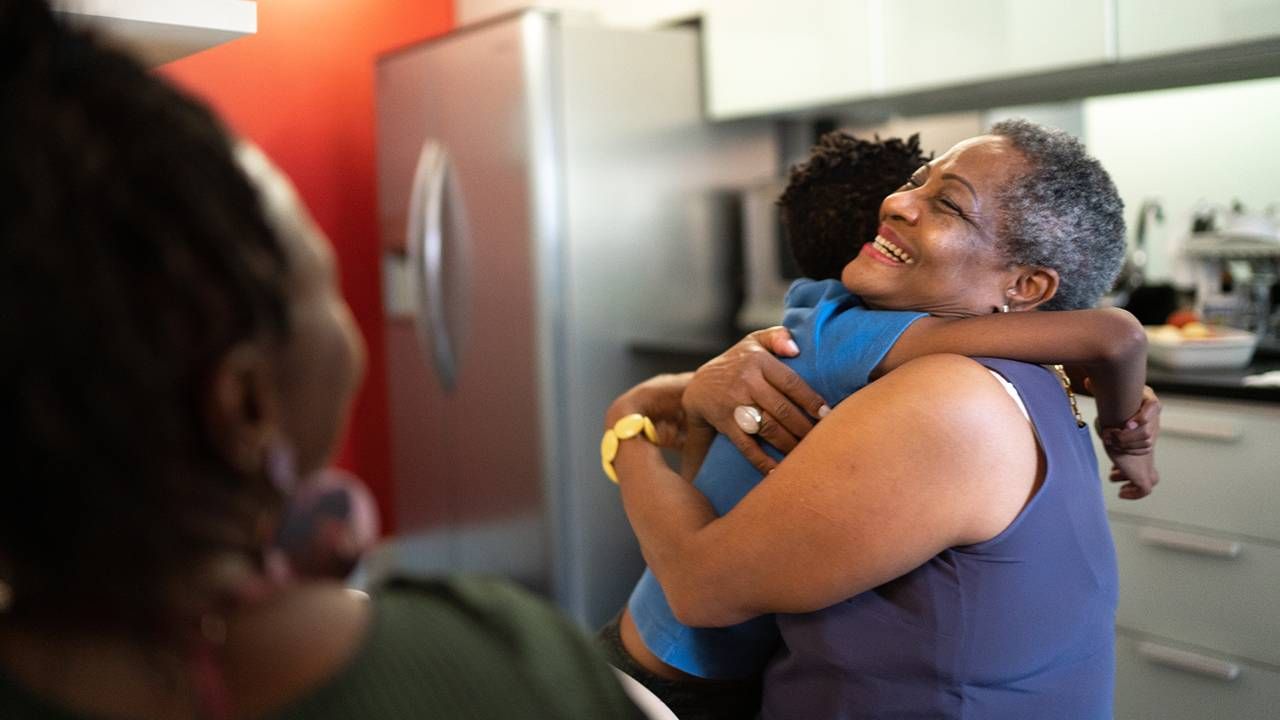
(749, 374)
(659, 398)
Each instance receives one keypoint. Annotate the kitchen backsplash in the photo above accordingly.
(1188, 148)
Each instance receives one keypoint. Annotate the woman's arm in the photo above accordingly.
(898, 472)
(1108, 344)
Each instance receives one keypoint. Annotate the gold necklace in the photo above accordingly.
(1066, 387)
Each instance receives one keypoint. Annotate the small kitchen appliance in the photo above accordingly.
(1236, 281)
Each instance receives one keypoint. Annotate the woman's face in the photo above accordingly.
(320, 366)
(936, 248)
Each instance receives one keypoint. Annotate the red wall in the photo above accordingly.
(302, 89)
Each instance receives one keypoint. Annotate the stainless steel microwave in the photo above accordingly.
(768, 267)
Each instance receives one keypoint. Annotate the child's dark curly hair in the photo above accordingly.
(831, 205)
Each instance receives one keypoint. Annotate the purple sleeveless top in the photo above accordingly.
(1019, 626)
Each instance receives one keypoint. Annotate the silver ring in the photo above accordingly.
(749, 418)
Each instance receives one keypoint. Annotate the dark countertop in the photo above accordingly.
(1217, 383)
(1226, 384)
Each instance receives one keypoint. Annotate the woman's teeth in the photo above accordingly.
(893, 251)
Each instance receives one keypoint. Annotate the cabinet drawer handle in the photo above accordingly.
(1187, 661)
(1201, 429)
(1190, 543)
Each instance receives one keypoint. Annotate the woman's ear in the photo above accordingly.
(241, 408)
(1031, 287)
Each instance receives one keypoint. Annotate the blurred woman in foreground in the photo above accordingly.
(179, 360)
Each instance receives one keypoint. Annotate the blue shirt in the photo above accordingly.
(841, 341)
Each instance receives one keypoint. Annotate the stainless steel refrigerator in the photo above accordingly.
(544, 190)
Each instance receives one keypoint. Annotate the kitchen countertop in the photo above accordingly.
(1226, 384)
(1217, 383)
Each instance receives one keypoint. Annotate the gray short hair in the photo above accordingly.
(1063, 213)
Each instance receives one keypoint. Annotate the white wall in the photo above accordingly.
(1186, 147)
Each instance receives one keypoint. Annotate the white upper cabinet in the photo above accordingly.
(159, 31)
(779, 55)
(933, 43)
(623, 13)
(650, 12)
(1157, 27)
(771, 56)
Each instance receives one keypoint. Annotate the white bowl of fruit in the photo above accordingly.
(1185, 342)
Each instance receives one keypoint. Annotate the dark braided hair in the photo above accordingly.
(136, 254)
(831, 205)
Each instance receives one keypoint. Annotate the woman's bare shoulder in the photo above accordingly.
(944, 390)
(965, 419)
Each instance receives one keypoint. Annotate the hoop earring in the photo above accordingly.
(281, 470)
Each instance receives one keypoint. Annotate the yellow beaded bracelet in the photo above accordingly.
(626, 428)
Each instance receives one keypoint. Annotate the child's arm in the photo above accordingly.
(1108, 345)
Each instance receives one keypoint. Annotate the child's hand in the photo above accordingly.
(1138, 436)
(1137, 472)
(1130, 449)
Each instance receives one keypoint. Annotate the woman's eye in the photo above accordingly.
(951, 205)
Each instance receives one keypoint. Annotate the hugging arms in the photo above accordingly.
(927, 464)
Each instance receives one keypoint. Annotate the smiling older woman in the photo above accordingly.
(937, 546)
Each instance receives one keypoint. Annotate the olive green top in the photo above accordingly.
(449, 648)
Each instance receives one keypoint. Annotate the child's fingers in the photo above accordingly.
(1129, 445)
(1148, 412)
(1139, 438)
(1129, 491)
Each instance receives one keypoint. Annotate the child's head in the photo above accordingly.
(831, 205)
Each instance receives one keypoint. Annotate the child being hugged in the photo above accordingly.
(830, 209)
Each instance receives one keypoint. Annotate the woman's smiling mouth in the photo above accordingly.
(892, 251)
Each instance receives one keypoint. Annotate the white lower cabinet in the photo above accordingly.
(1220, 468)
(1198, 624)
(1162, 679)
(1206, 589)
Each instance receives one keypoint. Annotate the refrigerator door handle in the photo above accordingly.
(425, 237)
